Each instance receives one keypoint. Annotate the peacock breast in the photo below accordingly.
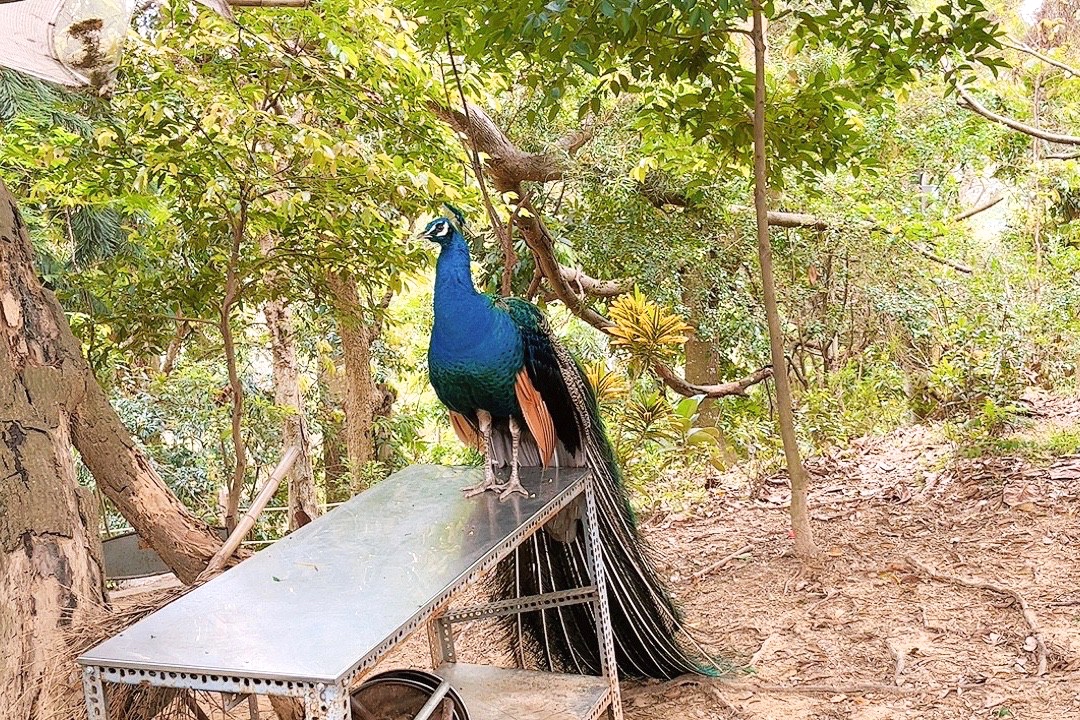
(474, 368)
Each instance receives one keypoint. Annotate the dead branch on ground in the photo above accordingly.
(723, 561)
(1025, 608)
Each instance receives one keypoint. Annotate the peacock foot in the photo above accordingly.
(513, 487)
(490, 483)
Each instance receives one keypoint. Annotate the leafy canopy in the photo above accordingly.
(687, 62)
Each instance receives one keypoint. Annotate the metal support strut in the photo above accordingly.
(593, 553)
(96, 707)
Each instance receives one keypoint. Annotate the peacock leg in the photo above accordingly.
(490, 482)
(514, 486)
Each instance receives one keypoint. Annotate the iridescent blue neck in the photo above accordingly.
(458, 305)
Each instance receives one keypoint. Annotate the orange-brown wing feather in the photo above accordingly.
(464, 430)
(536, 415)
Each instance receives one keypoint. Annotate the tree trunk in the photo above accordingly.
(800, 518)
(334, 456)
(236, 388)
(702, 358)
(50, 552)
(361, 394)
(702, 368)
(60, 372)
(287, 395)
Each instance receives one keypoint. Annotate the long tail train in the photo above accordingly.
(650, 641)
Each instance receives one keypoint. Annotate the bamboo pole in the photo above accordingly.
(217, 563)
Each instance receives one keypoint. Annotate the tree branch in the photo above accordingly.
(591, 286)
(505, 163)
(269, 3)
(978, 209)
(972, 104)
(804, 220)
(931, 255)
(1045, 58)
(796, 220)
(734, 387)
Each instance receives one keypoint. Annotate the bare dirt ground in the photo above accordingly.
(868, 633)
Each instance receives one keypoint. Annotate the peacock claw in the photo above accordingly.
(479, 488)
(512, 489)
(490, 482)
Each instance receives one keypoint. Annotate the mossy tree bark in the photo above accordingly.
(46, 359)
(361, 393)
(287, 395)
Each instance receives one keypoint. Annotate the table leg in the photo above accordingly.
(326, 702)
(608, 664)
(441, 642)
(94, 691)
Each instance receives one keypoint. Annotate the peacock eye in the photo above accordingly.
(444, 229)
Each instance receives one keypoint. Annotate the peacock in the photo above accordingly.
(518, 396)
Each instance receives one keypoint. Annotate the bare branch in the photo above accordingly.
(978, 209)
(972, 104)
(539, 241)
(804, 220)
(796, 220)
(270, 3)
(1045, 58)
(505, 162)
(931, 255)
(734, 387)
(591, 286)
(788, 219)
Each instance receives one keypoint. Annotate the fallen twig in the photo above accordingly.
(756, 658)
(1025, 608)
(900, 656)
(724, 701)
(821, 503)
(723, 561)
(853, 689)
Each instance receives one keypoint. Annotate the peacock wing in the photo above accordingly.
(541, 389)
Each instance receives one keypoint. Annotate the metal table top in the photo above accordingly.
(336, 594)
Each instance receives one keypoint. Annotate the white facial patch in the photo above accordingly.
(443, 229)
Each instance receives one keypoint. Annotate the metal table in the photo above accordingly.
(309, 615)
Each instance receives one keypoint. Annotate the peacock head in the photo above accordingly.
(442, 230)
(439, 230)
